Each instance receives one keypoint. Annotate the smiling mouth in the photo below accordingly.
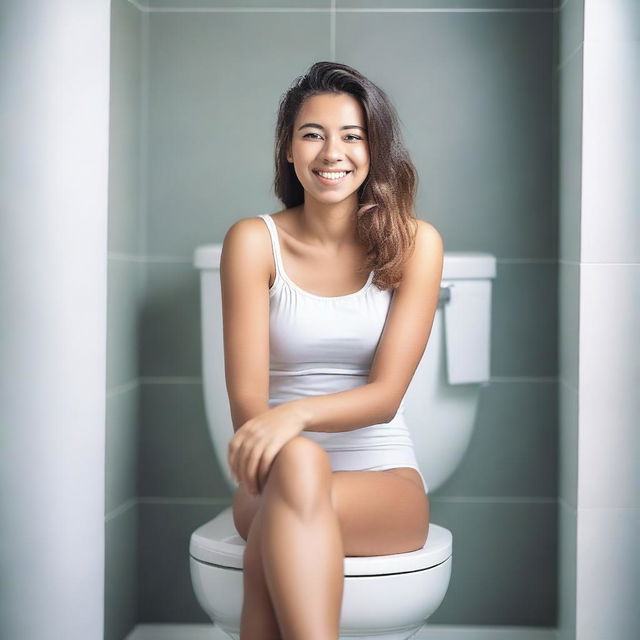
(331, 176)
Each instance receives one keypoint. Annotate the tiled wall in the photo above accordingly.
(569, 73)
(125, 307)
(473, 85)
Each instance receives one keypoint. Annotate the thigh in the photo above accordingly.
(245, 506)
(380, 512)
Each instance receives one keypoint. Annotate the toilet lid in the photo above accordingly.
(217, 542)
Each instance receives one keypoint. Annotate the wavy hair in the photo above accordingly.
(385, 219)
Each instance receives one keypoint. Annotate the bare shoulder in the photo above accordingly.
(248, 232)
(427, 254)
(427, 234)
(246, 248)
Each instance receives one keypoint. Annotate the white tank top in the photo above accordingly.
(320, 344)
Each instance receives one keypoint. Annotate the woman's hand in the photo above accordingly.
(256, 443)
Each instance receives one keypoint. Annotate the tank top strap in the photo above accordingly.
(275, 244)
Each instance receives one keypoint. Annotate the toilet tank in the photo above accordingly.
(440, 405)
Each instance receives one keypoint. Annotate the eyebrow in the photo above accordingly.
(319, 126)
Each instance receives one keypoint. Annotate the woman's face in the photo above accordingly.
(329, 136)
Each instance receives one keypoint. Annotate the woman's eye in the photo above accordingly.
(350, 135)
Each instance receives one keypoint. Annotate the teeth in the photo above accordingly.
(332, 176)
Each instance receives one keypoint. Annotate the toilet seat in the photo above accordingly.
(217, 542)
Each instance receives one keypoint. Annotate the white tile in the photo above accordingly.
(611, 20)
(611, 153)
(608, 574)
(609, 400)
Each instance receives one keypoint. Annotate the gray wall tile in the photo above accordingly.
(504, 563)
(126, 279)
(567, 552)
(183, 5)
(176, 453)
(170, 343)
(215, 83)
(570, 157)
(447, 4)
(571, 24)
(513, 449)
(121, 574)
(524, 320)
(569, 72)
(125, 152)
(568, 450)
(121, 467)
(474, 98)
(166, 593)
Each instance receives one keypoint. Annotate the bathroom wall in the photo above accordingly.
(569, 82)
(599, 288)
(126, 293)
(195, 90)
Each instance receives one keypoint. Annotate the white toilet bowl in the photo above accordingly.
(385, 597)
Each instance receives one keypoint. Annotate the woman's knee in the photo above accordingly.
(302, 472)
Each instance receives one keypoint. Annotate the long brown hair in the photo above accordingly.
(385, 218)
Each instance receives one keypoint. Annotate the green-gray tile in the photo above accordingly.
(212, 117)
(121, 468)
(235, 4)
(567, 564)
(524, 320)
(543, 5)
(570, 157)
(125, 285)
(125, 214)
(177, 458)
(514, 448)
(571, 22)
(166, 593)
(171, 328)
(569, 322)
(504, 563)
(476, 120)
(568, 454)
(121, 574)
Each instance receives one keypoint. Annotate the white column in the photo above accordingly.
(608, 527)
(54, 119)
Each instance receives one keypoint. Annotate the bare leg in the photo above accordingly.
(302, 551)
(258, 621)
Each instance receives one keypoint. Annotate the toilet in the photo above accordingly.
(386, 597)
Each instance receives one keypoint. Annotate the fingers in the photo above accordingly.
(244, 462)
(250, 462)
(251, 470)
(265, 466)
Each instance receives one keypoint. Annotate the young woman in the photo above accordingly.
(327, 309)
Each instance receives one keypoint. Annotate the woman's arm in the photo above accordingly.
(402, 344)
(244, 280)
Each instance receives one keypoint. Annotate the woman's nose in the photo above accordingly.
(332, 150)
